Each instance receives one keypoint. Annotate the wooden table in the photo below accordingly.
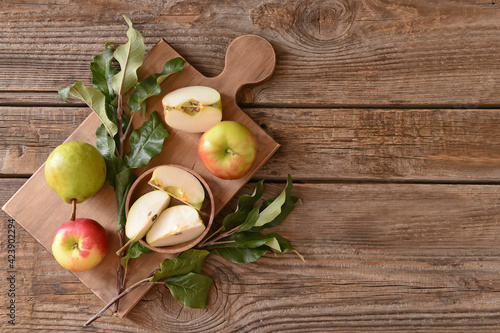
(388, 114)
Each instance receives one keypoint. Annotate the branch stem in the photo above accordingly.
(116, 298)
(223, 235)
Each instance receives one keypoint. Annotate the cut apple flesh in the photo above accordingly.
(175, 225)
(192, 109)
(144, 212)
(180, 184)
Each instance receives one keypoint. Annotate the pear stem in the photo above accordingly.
(73, 210)
(119, 252)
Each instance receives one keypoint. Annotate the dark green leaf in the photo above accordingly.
(135, 249)
(146, 142)
(191, 289)
(106, 147)
(240, 254)
(252, 217)
(245, 205)
(95, 100)
(123, 182)
(254, 239)
(188, 261)
(103, 72)
(130, 57)
(150, 86)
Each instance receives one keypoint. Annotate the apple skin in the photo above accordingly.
(75, 170)
(80, 245)
(228, 150)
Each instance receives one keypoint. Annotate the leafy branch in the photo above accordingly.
(238, 240)
(181, 275)
(105, 98)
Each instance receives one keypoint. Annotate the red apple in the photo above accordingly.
(80, 245)
(228, 150)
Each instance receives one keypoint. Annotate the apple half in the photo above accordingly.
(180, 184)
(175, 225)
(144, 212)
(192, 109)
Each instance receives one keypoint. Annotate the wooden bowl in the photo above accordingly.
(207, 211)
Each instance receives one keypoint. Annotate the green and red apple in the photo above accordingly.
(228, 150)
(192, 109)
(80, 245)
(175, 225)
(75, 170)
(180, 184)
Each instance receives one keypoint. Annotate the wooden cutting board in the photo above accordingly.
(250, 59)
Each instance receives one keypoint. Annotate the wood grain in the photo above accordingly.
(330, 53)
(442, 145)
(379, 257)
(388, 116)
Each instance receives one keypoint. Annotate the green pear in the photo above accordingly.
(180, 184)
(193, 109)
(175, 225)
(75, 170)
(144, 212)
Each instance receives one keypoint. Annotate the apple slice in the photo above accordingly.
(180, 184)
(175, 225)
(144, 212)
(192, 109)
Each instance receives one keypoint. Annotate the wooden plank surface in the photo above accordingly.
(357, 144)
(356, 53)
(380, 257)
(388, 116)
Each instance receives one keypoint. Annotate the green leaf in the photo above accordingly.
(250, 221)
(130, 57)
(254, 239)
(286, 209)
(191, 289)
(150, 86)
(285, 245)
(103, 72)
(106, 146)
(245, 205)
(146, 142)
(94, 99)
(124, 180)
(274, 209)
(188, 261)
(135, 249)
(240, 254)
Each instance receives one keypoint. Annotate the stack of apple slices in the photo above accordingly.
(150, 216)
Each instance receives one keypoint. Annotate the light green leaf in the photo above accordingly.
(95, 100)
(274, 209)
(130, 57)
(190, 289)
(189, 261)
(150, 86)
(146, 142)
